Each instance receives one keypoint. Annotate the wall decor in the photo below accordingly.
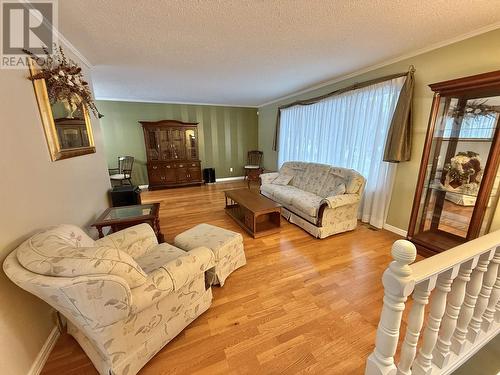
(65, 101)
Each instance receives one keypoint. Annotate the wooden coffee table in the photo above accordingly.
(119, 218)
(258, 215)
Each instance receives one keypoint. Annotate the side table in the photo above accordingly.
(119, 218)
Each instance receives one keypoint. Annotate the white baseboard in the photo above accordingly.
(41, 358)
(225, 179)
(396, 230)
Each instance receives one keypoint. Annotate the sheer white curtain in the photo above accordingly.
(348, 130)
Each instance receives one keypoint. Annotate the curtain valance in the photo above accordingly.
(399, 136)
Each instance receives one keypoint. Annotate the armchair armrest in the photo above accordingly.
(135, 241)
(267, 178)
(173, 276)
(97, 300)
(341, 200)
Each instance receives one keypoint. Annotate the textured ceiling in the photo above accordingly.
(248, 52)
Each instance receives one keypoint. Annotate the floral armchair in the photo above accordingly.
(124, 296)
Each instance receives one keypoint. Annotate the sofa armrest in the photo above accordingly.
(135, 241)
(340, 200)
(267, 178)
(172, 276)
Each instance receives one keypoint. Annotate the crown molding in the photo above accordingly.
(73, 49)
(405, 56)
(136, 100)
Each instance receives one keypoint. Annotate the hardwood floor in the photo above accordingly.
(300, 305)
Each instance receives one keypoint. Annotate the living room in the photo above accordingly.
(233, 187)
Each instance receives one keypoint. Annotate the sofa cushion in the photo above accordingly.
(159, 256)
(65, 250)
(353, 180)
(315, 177)
(296, 169)
(269, 189)
(285, 194)
(308, 203)
(282, 179)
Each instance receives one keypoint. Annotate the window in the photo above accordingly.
(348, 130)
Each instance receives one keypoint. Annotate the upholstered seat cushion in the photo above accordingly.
(269, 189)
(65, 250)
(158, 256)
(285, 194)
(226, 245)
(118, 176)
(306, 202)
(252, 166)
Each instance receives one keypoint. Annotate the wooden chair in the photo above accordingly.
(124, 171)
(253, 168)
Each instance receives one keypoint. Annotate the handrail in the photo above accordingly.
(441, 262)
(461, 287)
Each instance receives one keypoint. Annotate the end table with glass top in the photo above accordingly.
(119, 218)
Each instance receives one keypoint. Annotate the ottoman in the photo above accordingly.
(226, 245)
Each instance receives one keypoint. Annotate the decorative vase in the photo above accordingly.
(71, 106)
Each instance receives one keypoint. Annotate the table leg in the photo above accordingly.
(99, 230)
(157, 229)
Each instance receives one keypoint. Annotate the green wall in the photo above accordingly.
(472, 56)
(225, 133)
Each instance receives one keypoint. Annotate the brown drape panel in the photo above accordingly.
(403, 107)
(399, 135)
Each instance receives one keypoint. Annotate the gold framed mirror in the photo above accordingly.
(67, 125)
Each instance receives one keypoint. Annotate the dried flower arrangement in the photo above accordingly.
(464, 170)
(64, 80)
(475, 108)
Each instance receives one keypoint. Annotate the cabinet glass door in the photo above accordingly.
(460, 150)
(165, 144)
(190, 138)
(153, 144)
(177, 144)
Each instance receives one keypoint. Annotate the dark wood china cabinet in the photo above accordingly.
(458, 183)
(172, 153)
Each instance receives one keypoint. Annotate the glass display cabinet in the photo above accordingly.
(172, 153)
(457, 190)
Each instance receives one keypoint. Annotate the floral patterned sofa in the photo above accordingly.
(321, 199)
(124, 296)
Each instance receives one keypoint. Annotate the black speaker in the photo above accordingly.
(209, 175)
(125, 196)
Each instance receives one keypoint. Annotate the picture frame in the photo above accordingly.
(60, 148)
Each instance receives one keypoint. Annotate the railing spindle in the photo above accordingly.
(483, 299)
(423, 362)
(489, 314)
(471, 294)
(415, 322)
(497, 312)
(441, 353)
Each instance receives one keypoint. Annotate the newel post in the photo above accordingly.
(398, 285)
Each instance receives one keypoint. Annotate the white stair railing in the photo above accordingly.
(463, 285)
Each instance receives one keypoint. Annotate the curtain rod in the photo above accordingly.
(359, 85)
